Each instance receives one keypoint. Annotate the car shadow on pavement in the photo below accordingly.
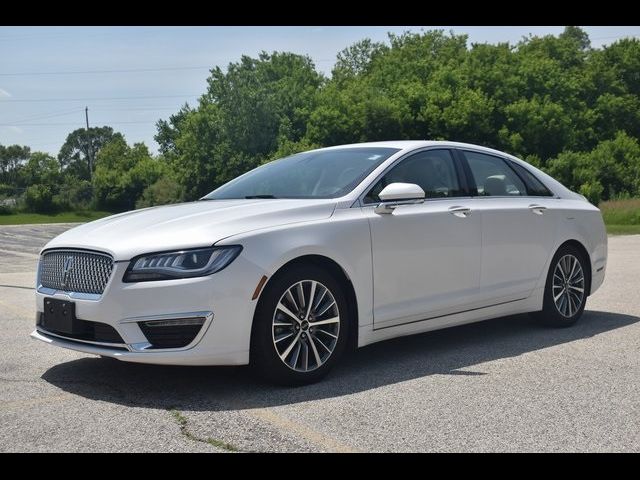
(453, 351)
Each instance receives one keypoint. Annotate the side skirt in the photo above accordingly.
(368, 334)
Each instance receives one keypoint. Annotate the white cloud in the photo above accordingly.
(4, 93)
(15, 129)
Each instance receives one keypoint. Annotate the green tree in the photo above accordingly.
(356, 59)
(248, 112)
(169, 131)
(82, 145)
(41, 168)
(123, 173)
(12, 159)
(610, 170)
(553, 100)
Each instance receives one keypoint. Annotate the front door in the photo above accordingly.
(426, 257)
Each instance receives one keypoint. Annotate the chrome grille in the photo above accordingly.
(75, 271)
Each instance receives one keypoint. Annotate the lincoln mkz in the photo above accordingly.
(288, 265)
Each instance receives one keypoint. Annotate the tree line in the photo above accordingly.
(554, 101)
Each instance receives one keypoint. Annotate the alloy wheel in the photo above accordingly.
(306, 325)
(568, 286)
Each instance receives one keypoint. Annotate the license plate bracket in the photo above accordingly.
(60, 316)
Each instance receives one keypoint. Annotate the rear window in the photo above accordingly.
(535, 187)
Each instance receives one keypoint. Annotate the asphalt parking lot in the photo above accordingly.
(502, 385)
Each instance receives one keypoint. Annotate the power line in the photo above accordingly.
(79, 122)
(47, 115)
(133, 70)
(616, 36)
(95, 98)
(128, 70)
(121, 30)
(21, 122)
(133, 109)
(63, 113)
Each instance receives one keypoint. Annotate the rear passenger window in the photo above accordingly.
(493, 177)
(535, 187)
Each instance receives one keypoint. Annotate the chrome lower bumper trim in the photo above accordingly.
(72, 295)
(88, 342)
(144, 347)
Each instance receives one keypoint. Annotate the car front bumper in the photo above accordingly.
(223, 298)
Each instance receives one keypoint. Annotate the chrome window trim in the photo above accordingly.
(552, 195)
(508, 159)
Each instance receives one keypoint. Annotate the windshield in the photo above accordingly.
(320, 174)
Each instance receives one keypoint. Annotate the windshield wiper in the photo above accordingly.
(260, 196)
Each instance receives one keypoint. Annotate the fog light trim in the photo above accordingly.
(175, 322)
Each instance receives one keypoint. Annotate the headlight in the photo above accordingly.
(180, 264)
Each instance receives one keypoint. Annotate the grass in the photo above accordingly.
(184, 429)
(62, 217)
(623, 229)
(622, 217)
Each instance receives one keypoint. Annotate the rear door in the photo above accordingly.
(519, 218)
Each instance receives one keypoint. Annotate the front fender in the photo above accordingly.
(344, 238)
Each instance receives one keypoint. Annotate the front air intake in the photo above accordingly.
(172, 333)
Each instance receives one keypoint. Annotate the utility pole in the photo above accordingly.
(86, 116)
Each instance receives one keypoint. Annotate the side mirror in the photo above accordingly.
(396, 194)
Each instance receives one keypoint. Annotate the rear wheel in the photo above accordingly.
(300, 327)
(566, 288)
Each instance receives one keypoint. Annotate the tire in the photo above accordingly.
(564, 301)
(286, 350)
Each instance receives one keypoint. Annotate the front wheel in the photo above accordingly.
(300, 327)
(566, 288)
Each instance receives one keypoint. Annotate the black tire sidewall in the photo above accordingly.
(264, 358)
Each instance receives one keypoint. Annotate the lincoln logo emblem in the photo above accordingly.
(68, 265)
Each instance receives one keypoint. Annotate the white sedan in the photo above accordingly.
(289, 264)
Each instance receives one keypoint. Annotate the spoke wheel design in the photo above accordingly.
(568, 286)
(306, 325)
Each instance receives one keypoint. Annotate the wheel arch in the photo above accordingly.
(583, 250)
(339, 273)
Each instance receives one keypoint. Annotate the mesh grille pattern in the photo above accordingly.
(74, 271)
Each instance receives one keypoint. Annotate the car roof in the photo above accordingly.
(413, 144)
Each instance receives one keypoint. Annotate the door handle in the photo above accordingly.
(537, 209)
(461, 212)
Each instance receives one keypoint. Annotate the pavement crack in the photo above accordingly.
(187, 433)
(18, 380)
(17, 286)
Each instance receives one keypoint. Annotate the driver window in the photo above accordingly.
(432, 170)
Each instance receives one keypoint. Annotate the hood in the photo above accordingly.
(187, 225)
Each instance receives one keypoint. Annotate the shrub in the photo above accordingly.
(592, 190)
(39, 198)
(5, 209)
(165, 190)
(74, 194)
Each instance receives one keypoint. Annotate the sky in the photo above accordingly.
(129, 77)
